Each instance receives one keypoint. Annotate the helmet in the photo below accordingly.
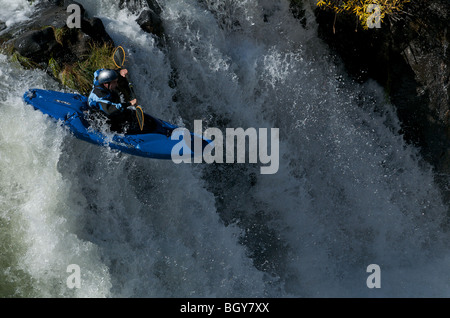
(106, 76)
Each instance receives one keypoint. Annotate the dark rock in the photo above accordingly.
(154, 6)
(37, 40)
(48, 41)
(81, 45)
(57, 16)
(150, 22)
(38, 45)
(53, 13)
(408, 57)
(136, 5)
(45, 40)
(132, 5)
(149, 18)
(427, 54)
(96, 30)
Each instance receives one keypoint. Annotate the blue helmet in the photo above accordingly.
(106, 76)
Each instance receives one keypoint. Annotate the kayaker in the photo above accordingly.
(105, 99)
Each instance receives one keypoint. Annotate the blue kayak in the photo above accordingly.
(71, 109)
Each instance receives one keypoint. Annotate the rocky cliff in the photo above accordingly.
(408, 56)
(70, 54)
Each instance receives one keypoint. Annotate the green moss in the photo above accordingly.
(79, 76)
(7, 49)
(24, 61)
(68, 77)
(59, 34)
(54, 67)
(363, 9)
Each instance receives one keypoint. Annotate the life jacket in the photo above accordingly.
(106, 101)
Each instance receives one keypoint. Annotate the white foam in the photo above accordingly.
(16, 11)
(349, 191)
(36, 199)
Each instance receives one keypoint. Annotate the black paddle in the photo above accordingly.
(119, 61)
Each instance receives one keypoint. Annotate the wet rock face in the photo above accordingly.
(149, 17)
(409, 57)
(52, 34)
(150, 22)
(37, 44)
(427, 53)
(37, 40)
(137, 5)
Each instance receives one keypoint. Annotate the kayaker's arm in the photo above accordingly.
(106, 101)
(110, 107)
(124, 85)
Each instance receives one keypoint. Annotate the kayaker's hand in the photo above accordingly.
(123, 72)
(133, 102)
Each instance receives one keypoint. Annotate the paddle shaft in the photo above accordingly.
(119, 60)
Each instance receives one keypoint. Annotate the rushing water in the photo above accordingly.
(348, 193)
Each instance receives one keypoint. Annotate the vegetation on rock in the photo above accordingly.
(368, 12)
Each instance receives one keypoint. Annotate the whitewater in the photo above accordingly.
(349, 192)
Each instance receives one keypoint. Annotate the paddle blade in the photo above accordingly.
(119, 57)
(140, 117)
